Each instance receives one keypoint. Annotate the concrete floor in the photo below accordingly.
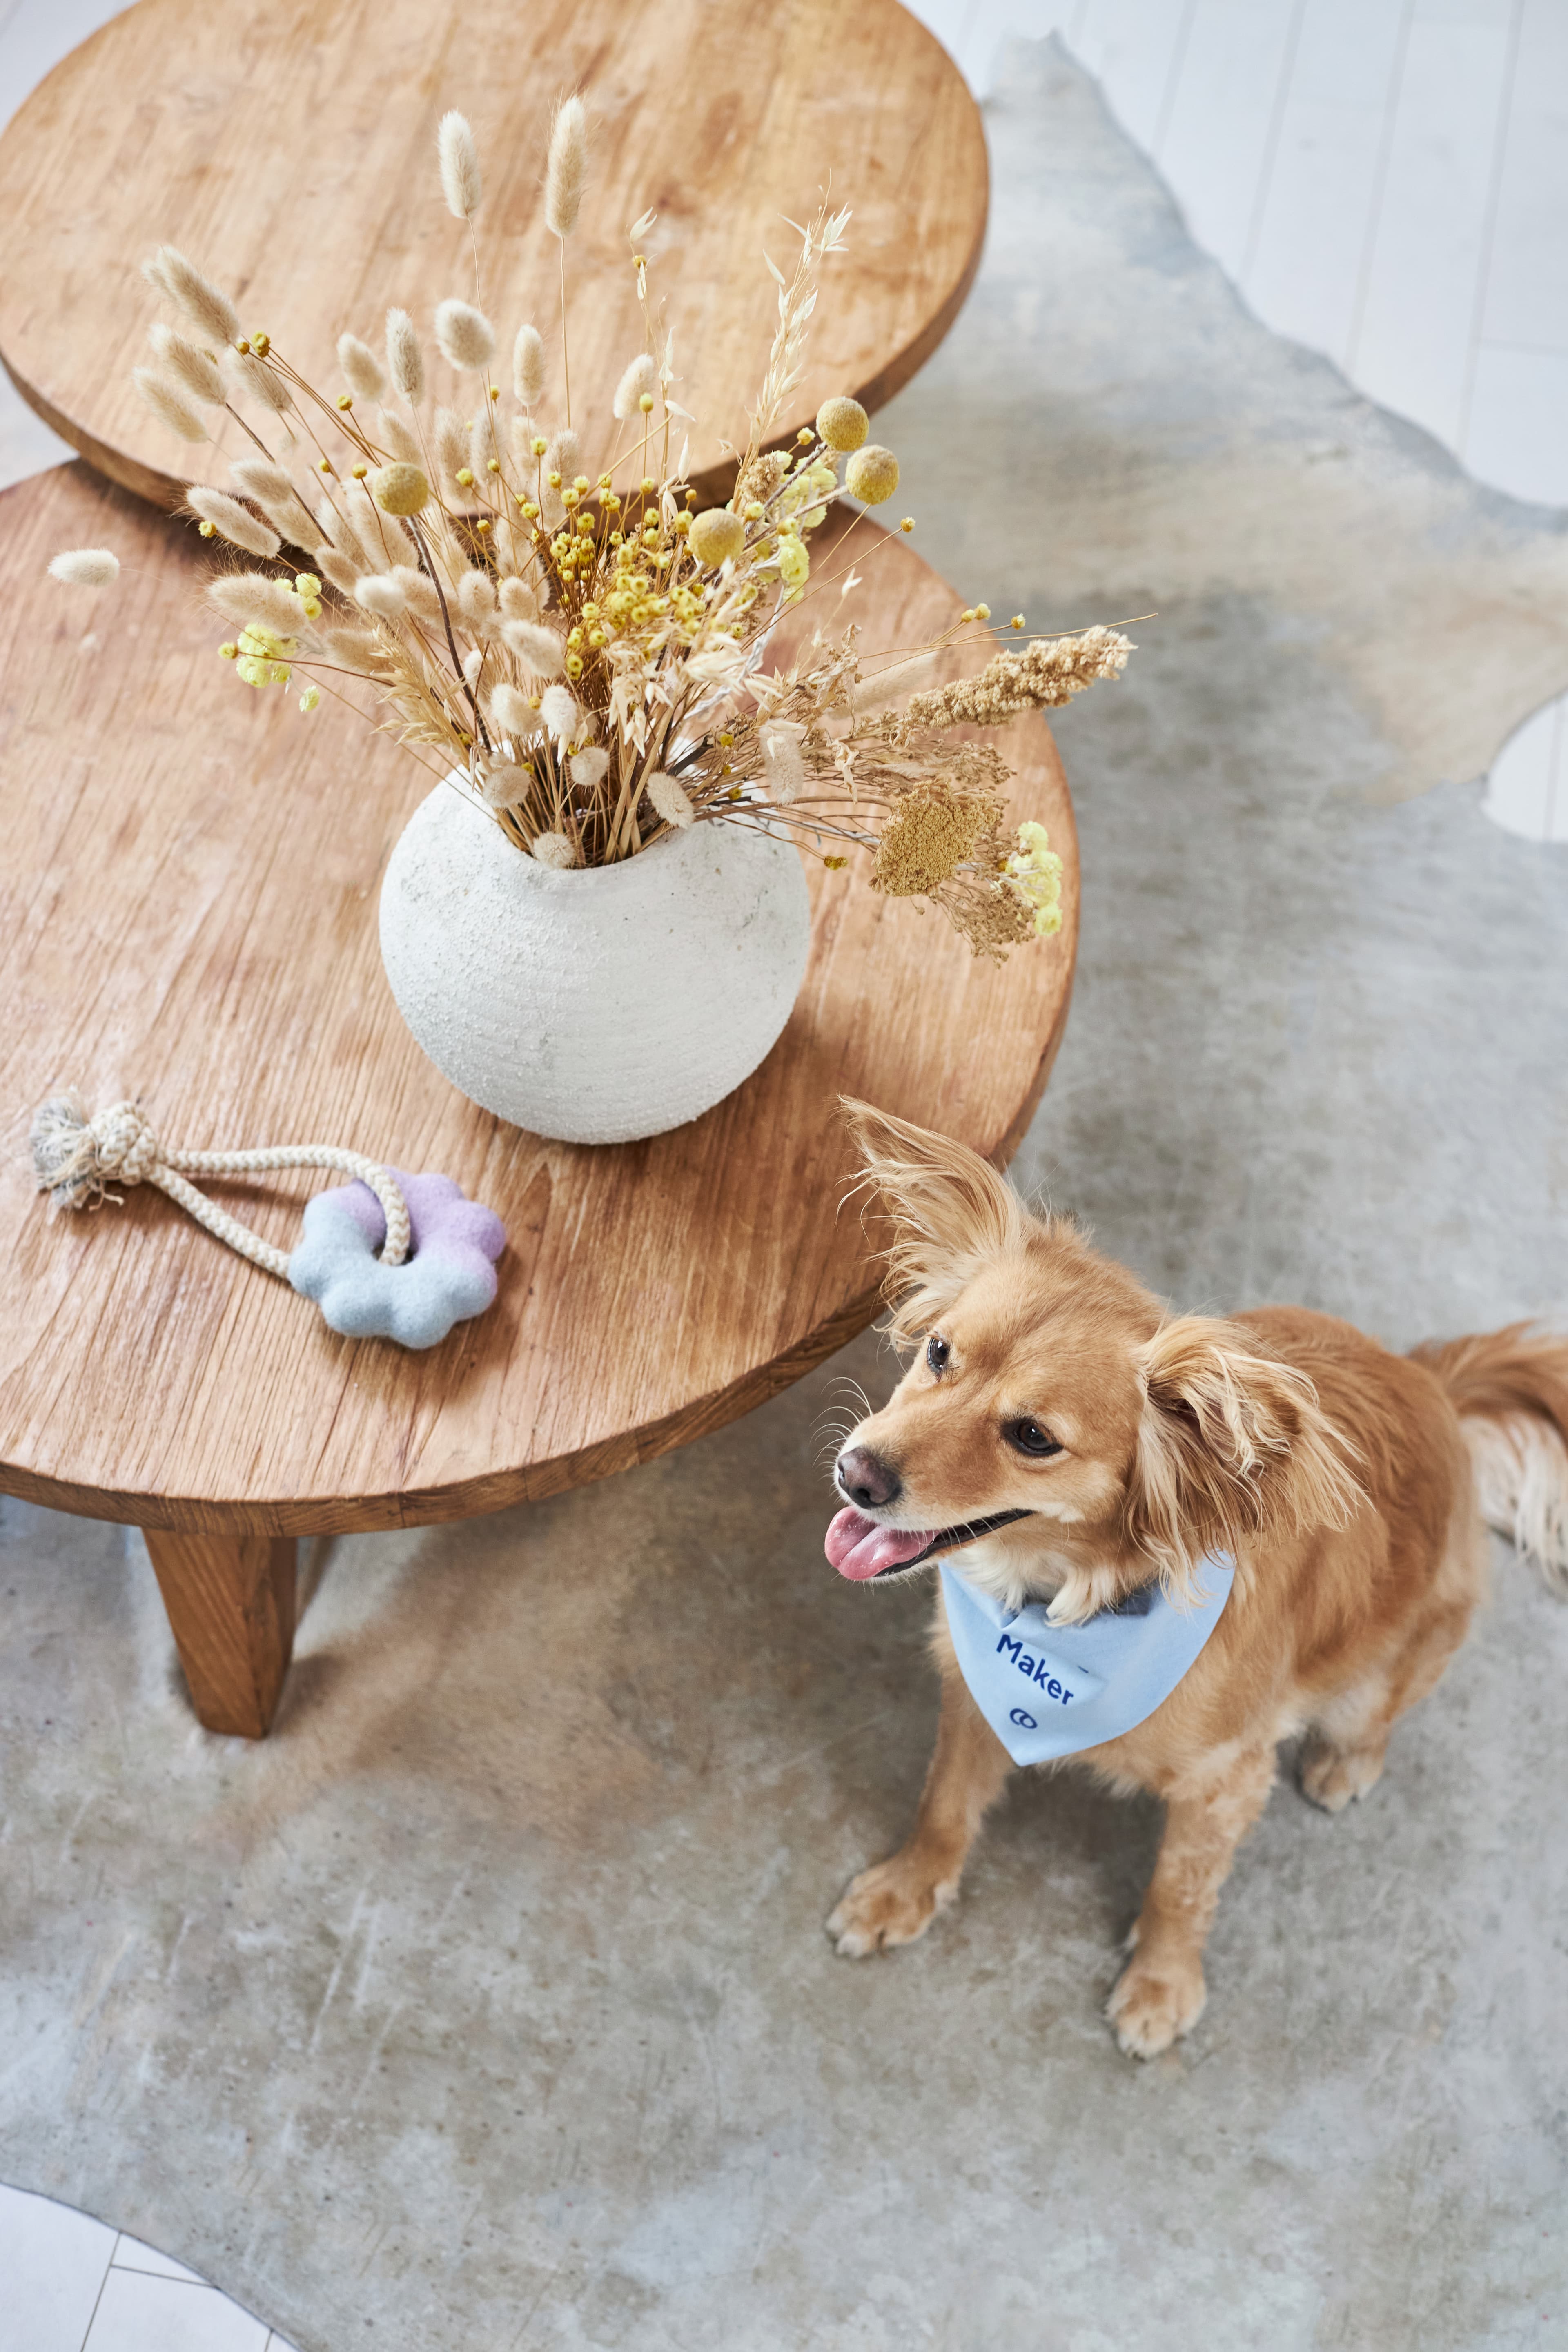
(489, 2004)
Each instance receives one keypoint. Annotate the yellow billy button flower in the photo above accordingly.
(260, 656)
(795, 564)
(345, 402)
(539, 445)
(907, 524)
(261, 345)
(842, 423)
(228, 652)
(836, 865)
(872, 475)
(716, 535)
(207, 530)
(399, 489)
(1034, 875)
(311, 698)
(982, 612)
(1017, 622)
(573, 665)
(755, 510)
(359, 472)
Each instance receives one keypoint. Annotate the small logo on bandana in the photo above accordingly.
(1055, 1683)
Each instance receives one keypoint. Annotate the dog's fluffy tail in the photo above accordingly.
(1511, 1390)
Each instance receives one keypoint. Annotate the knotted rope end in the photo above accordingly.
(76, 1158)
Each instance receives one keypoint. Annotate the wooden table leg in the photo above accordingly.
(230, 1601)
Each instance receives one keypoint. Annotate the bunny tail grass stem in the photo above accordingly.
(230, 410)
(566, 362)
(446, 625)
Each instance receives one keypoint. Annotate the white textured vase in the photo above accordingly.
(593, 1006)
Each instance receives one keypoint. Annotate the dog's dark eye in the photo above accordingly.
(1028, 1437)
(937, 1353)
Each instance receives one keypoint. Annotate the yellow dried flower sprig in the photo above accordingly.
(1042, 676)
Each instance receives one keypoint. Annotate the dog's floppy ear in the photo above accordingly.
(951, 1212)
(1232, 1444)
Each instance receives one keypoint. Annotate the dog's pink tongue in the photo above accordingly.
(859, 1548)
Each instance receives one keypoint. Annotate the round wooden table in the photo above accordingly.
(189, 890)
(291, 151)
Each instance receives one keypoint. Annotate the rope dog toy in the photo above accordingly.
(388, 1256)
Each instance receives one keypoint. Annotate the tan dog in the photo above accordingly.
(1348, 1485)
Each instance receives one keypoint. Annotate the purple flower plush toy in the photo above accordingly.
(449, 1273)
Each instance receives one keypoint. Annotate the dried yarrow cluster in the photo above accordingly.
(589, 651)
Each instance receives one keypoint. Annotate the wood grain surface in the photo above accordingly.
(291, 151)
(189, 903)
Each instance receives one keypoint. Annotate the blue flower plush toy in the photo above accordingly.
(449, 1273)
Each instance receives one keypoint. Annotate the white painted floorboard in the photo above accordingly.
(69, 2284)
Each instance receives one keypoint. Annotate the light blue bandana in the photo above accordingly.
(1051, 1690)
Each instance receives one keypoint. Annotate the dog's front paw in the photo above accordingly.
(1154, 2002)
(891, 1903)
(1333, 1777)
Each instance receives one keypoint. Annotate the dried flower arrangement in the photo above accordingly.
(590, 653)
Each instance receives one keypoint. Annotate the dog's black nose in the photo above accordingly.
(870, 1484)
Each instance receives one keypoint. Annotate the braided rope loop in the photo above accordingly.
(395, 1208)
